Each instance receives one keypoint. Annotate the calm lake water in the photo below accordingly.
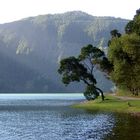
(50, 117)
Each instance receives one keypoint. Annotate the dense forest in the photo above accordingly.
(30, 49)
(124, 55)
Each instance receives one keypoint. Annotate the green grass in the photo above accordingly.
(111, 104)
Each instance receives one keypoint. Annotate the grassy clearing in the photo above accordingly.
(111, 104)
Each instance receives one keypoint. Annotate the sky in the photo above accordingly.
(11, 10)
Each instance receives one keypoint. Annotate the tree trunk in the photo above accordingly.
(102, 94)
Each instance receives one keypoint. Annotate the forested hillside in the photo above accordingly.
(30, 49)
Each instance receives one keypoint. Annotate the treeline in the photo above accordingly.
(124, 55)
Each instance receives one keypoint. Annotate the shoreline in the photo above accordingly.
(112, 104)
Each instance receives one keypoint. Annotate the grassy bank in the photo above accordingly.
(111, 104)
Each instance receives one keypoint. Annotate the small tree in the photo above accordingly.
(81, 69)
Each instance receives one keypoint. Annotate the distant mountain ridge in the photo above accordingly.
(35, 45)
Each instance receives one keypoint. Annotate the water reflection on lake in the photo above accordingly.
(126, 128)
(42, 118)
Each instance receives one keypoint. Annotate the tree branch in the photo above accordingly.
(85, 81)
(102, 94)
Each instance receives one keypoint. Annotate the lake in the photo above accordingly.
(51, 117)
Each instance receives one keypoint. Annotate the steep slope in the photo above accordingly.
(36, 45)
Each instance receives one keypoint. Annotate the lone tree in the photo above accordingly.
(81, 68)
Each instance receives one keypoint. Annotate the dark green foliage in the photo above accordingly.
(129, 27)
(124, 55)
(72, 70)
(134, 25)
(91, 92)
(89, 53)
(81, 69)
(106, 65)
(115, 33)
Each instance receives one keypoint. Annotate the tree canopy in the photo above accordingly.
(81, 68)
(134, 25)
(124, 55)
